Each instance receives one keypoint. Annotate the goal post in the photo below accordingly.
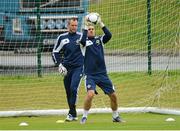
(93, 110)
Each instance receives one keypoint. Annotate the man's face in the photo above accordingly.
(73, 25)
(91, 31)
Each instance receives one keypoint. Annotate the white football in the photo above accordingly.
(93, 17)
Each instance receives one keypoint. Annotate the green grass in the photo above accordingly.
(127, 21)
(132, 89)
(95, 122)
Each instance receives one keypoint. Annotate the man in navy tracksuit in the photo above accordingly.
(95, 70)
(70, 64)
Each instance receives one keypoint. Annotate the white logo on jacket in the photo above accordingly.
(88, 43)
(65, 41)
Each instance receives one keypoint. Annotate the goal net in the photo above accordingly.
(142, 58)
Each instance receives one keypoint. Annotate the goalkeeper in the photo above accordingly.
(95, 69)
(71, 64)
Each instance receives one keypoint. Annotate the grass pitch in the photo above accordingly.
(140, 121)
(133, 89)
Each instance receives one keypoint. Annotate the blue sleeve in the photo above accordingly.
(57, 52)
(107, 35)
(84, 37)
(57, 58)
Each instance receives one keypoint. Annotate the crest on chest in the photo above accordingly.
(97, 41)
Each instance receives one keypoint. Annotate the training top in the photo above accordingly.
(67, 50)
(94, 62)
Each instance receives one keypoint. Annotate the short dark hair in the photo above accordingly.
(72, 19)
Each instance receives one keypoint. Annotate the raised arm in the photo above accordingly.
(107, 34)
(84, 35)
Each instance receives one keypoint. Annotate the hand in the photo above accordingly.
(62, 70)
(86, 22)
(99, 21)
